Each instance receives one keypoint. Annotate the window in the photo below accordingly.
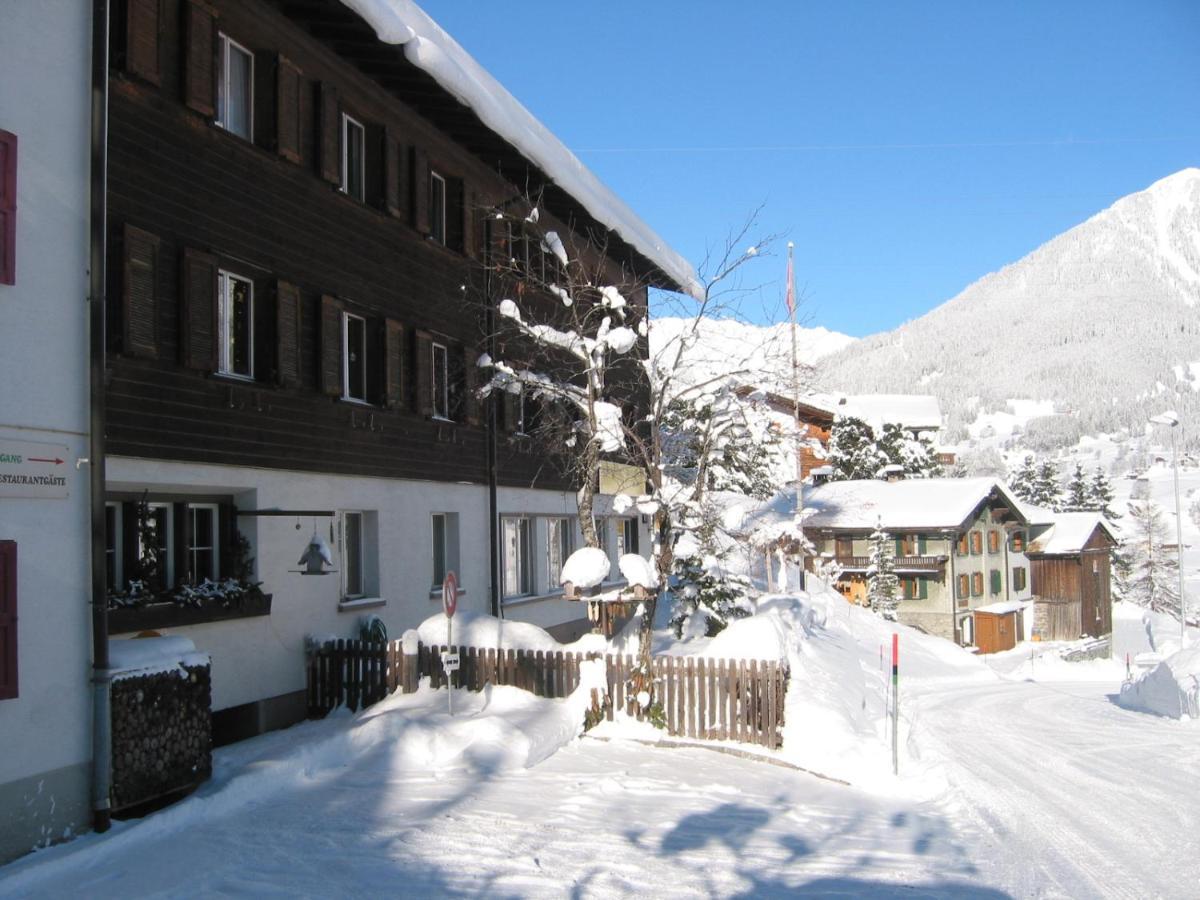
(558, 548)
(154, 541)
(445, 547)
(113, 568)
(977, 584)
(441, 382)
(1018, 542)
(202, 552)
(515, 551)
(627, 537)
(236, 323)
(353, 158)
(993, 541)
(996, 580)
(914, 588)
(437, 207)
(1019, 578)
(976, 543)
(964, 586)
(235, 89)
(962, 549)
(967, 631)
(354, 357)
(353, 560)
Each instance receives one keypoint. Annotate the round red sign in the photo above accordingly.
(450, 594)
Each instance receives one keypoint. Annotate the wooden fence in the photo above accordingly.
(706, 699)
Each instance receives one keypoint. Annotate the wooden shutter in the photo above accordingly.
(8, 208)
(395, 175)
(8, 620)
(287, 334)
(141, 39)
(423, 370)
(393, 364)
(996, 583)
(139, 298)
(472, 225)
(331, 345)
(329, 137)
(287, 109)
(198, 312)
(199, 67)
(470, 386)
(420, 189)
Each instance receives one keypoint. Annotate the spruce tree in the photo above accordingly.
(853, 453)
(1100, 495)
(1153, 570)
(882, 583)
(1079, 494)
(1046, 490)
(1021, 480)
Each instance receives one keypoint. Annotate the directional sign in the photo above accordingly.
(40, 471)
(450, 594)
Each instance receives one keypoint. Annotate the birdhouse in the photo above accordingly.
(316, 556)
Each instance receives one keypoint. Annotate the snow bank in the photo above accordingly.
(145, 656)
(481, 630)
(1172, 688)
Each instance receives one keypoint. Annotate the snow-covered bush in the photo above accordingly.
(705, 598)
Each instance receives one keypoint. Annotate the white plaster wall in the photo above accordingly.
(43, 361)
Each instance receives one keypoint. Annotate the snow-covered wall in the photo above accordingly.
(45, 731)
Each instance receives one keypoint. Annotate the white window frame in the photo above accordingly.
(440, 410)
(625, 525)
(564, 541)
(523, 571)
(213, 537)
(227, 43)
(437, 209)
(359, 552)
(225, 324)
(347, 394)
(348, 122)
(114, 543)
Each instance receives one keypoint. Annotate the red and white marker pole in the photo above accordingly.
(895, 704)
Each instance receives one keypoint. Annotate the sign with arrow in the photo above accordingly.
(38, 471)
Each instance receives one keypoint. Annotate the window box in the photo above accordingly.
(169, 614)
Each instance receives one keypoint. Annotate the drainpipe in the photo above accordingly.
(493, 503)
(101, 676)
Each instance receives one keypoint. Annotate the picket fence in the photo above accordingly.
(705, 699)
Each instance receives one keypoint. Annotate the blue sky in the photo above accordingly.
(906, 148)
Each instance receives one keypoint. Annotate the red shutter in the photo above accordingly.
(287, 334)
(139, 298)
(199, 339)
(8, 208)
(8, 620)
(329, 136)
(287, 109)
(423, 366)
(199, 70)
(141, 39)
(393, 359)
(331, 346)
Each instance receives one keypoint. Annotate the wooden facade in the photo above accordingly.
(996, 632)
(189, 200)
(1082, 578)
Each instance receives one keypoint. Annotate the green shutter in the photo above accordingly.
(922, 546)
(922, 588)
(995, 581)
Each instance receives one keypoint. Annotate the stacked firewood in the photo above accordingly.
(161, 734)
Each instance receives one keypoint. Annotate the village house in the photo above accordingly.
(1070, 558)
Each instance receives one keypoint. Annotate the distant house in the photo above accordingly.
(1069, 557)
(959, 552)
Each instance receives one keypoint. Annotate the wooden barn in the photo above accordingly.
(1070, 572)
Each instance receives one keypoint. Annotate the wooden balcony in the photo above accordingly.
(901, 563)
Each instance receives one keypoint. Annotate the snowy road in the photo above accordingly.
(1078, 797)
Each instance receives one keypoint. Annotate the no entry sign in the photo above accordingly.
(450, 594)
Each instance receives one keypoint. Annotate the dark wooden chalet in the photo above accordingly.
(1070, 573)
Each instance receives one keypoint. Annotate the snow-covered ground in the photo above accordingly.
(1013, 783)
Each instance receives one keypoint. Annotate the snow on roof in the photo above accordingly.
(585, 568)
(918, 503)
(909, 410)
(1068, 534)
(638, 570)
(147, 656)
(432, 50)
(1003, 607)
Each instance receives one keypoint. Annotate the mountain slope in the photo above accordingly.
(1103, 320)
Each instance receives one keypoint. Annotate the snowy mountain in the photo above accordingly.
(1093, 331)
(760, 354)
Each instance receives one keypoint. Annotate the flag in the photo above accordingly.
(791, 287)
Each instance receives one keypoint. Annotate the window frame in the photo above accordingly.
(1019, 578)
(523, 571)
(976, 584)
(346, 392)
(114, 545)
(214, 536)
(564, 540)
(976, 542)
(441, 411)
(437, 210)
(963, 547)
(1017, 541)
(225, 279)
(993, 541)
(360, 194)
(223, 83)
(358, 557)
(627, 526)
(962, 590)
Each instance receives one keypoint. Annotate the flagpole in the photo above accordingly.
(791, 304)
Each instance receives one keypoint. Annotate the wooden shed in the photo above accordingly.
(1070, 574)
(999, 626)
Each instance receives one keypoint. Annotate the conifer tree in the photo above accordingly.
(1079, 494)
(853, 453)
(1046, 491)
(1153, 571)
(1021, 480)
(1100, 495)
(882, 583)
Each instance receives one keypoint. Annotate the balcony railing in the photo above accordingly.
(900, 563)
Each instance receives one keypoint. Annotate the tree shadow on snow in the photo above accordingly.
(846, 887)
